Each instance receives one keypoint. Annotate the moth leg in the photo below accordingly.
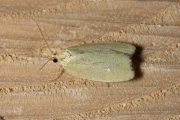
(59, 74)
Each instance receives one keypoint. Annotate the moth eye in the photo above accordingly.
(55, 60)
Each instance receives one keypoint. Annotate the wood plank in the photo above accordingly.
(29, 93)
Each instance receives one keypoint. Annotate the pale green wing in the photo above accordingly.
(104, 46)
(103, 66)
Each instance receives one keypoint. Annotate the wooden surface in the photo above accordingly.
(29, 93)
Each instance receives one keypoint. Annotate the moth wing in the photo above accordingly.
(111, 67)
(105, 47)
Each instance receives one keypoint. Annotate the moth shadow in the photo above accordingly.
(137, 61)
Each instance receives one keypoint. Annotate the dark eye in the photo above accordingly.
(55, 60)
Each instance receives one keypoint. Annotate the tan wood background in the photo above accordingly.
(28, 93)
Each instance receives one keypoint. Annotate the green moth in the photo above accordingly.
(105, 62)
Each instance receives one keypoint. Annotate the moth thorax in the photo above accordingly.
(65, 56)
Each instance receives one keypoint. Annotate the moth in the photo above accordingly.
(105, 61)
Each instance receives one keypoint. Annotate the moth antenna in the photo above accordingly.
(46, 63)
(43, 36)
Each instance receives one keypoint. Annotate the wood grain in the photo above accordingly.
(29, 93)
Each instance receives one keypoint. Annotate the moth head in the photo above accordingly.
(55, 57)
